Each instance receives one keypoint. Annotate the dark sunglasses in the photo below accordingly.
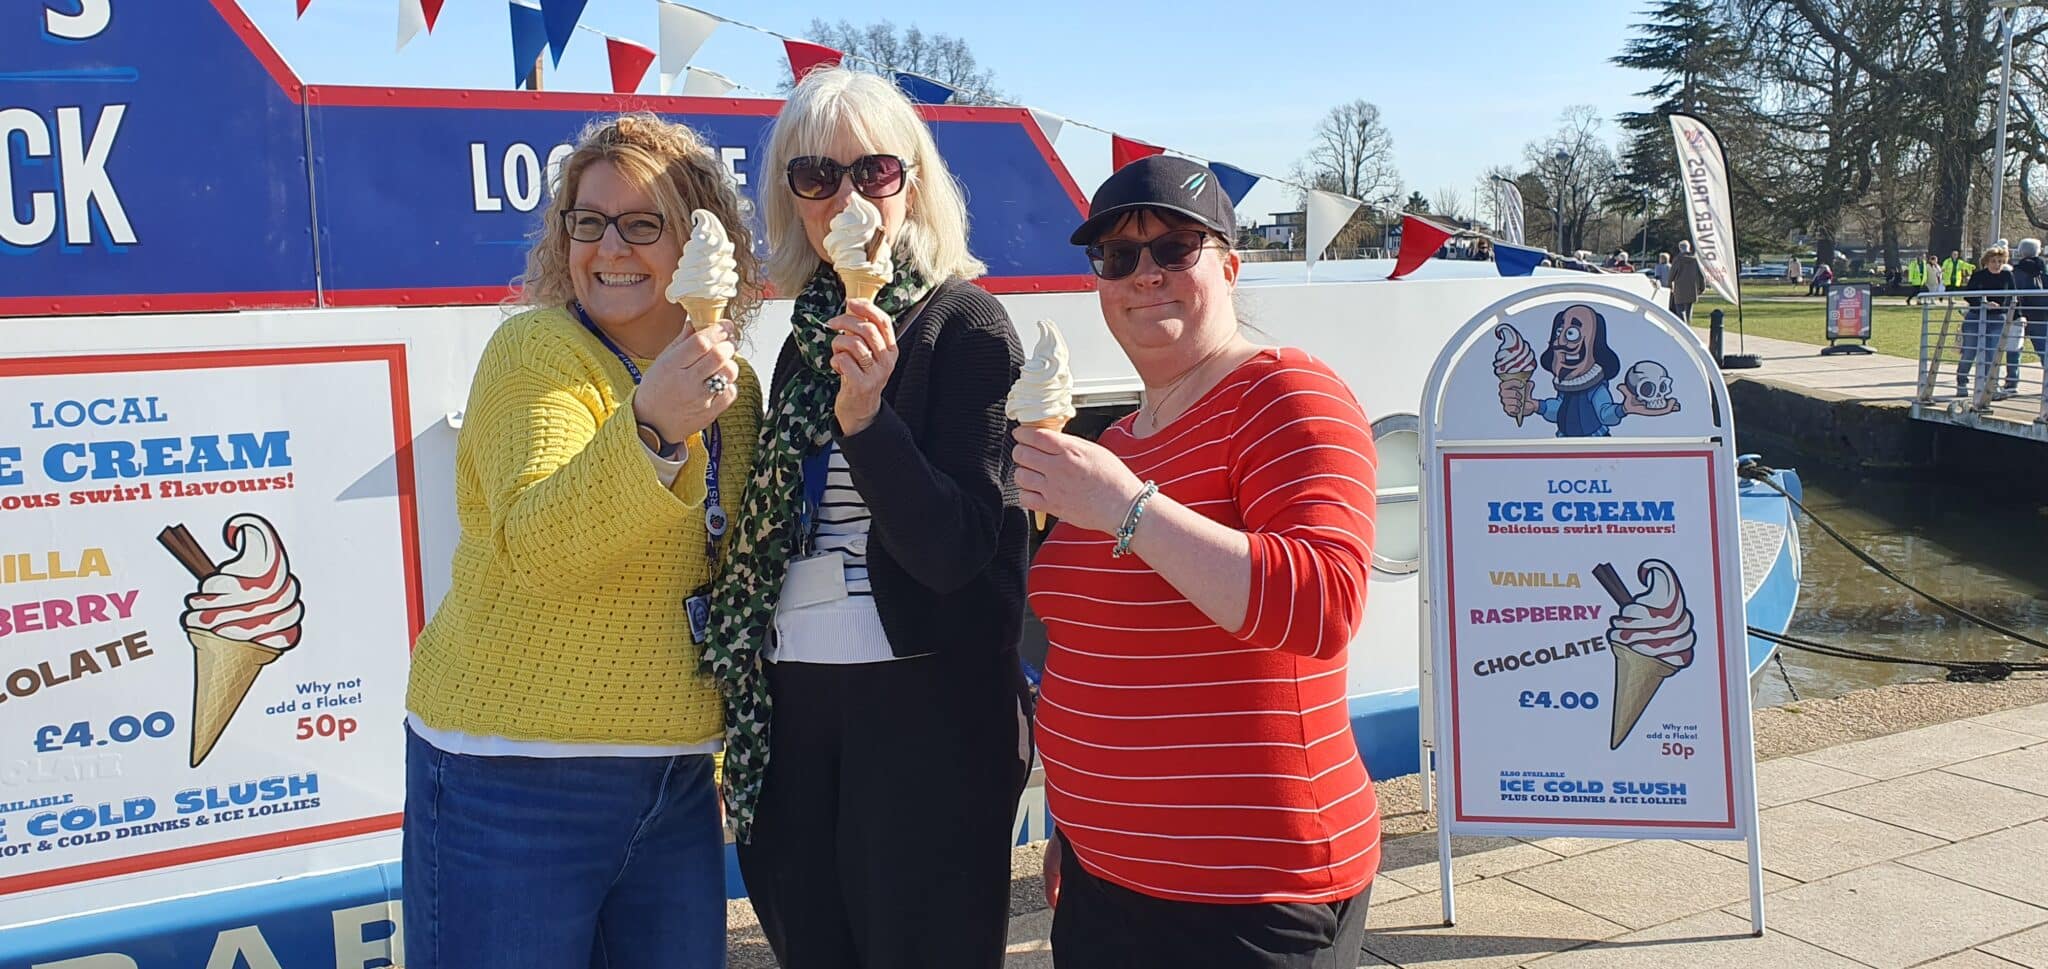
(588, 225)
(1176, 251)
(875, 176)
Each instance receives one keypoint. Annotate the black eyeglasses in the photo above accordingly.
(1176, 251)
(588, 225)
(875, 176)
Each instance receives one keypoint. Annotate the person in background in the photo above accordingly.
(1621, 263)
(1793, 274)
(1823, 274)
(1662, 271)
(559, 802)
(1688, 280)
(1955, 270)
(1199, 596)
(1983, 323)
(2029, 271)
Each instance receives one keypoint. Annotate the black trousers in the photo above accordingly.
(1102, 925)
(884, 830)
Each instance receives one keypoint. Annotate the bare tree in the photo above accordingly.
(1449, 203)
(1352, 154)
(882, 47)
(1575, 169)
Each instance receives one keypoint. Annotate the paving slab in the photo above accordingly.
(1411, 861)
(1914, 751)
(1945, 805)
(2028, 720)
(1500, 924)
(1809, 841)
(2029, 948)
(2025, 769)
(1890, 916)
(1708, 940)
(1968, 959)
(1568, 847)
(1644, 883)
(2013, 862)
(1789, 779)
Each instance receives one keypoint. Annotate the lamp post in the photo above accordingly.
(1646, 225)
(1564, 187)
(2011, 10)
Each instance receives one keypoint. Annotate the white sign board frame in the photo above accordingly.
(1585, 632)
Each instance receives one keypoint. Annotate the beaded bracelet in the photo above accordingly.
(1130, 527)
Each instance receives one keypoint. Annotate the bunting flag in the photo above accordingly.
(922, 90)
(805, 57)
(1513, 260)
(700, 83)
(1327, 212)
(1507, 206)
(1420, 239)
(683, 31)
(1123, 151)
(415, 16)
(560, 17)
(529, 38)
(1049, 124)
(1235, 181)
(302, 6)
(629, 64)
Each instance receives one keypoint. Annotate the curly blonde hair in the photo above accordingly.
(676, 167)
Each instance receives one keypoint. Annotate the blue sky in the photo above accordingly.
(1461, 86)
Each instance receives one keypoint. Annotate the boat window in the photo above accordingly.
(1397, 524)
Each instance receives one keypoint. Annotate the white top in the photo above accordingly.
(491, 745)
(841, 629)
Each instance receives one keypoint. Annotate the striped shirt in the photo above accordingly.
(842, 524)
(1196, 764)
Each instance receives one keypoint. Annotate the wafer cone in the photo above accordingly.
(1519, 381)
(1636, 680)
(1055, 425)
(223, 670)
(704, 312)
(860, 285)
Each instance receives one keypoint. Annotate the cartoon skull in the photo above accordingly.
(1650, 382)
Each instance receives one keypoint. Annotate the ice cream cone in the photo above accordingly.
(1055, 425)
(703, 312)
(860, 285)
(1636, 680)
(223, 670)
(1520, 382)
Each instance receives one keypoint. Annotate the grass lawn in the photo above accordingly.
(1895, 330)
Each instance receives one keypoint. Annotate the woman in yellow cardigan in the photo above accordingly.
(560, 808)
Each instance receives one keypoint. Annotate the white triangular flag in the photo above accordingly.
(1327, 213)
(700, 83)
(412, 19)
(683, 30)
(1049, 123)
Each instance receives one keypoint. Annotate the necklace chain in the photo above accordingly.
(1173, 387)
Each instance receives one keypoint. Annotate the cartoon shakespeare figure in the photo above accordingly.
(1580, 364)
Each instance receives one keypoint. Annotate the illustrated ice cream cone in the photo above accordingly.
(859, 253)
(1043, 395)
(707, 276)
(245, 615)
(1651, 637)
(1514, 364)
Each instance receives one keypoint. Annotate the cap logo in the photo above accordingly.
(1195, 184)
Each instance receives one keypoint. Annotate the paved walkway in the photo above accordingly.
(1927, 848)
(1884, 380)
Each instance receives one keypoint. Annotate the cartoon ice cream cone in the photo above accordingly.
(1514, 364)
(1043, 395)
(707, 277)
(1651, 638)
(245, 615)
(859, 254)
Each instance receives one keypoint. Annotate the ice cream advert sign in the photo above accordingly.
(1586, 618)
(208, 585)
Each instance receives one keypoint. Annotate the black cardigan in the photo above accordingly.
(948, 542)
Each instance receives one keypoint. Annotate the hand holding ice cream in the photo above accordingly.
(860, 254)
(1043, 395)
(707, 277)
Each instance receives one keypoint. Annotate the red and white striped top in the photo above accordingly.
(1189, 762)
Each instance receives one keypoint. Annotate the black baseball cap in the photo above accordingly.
(1160, 182)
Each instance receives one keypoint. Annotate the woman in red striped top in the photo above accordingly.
(1210, 805)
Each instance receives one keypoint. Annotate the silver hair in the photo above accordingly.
(2029, 248)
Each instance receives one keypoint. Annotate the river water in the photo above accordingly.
(1980, 544)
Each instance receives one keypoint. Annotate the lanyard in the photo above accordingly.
(714, 510)
(815, 470)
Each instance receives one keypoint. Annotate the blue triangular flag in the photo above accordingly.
(922, 90)
(1515, 260)
(1236, 182)
(529, 38)
(561, 17)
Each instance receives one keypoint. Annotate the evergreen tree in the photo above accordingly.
(1696, 56)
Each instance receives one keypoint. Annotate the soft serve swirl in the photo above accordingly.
(1045, 388)
(254, 598)
(1656, 623)
(1513, 356)
(707, 269)
(849, 236)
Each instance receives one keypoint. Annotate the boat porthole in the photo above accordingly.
(1397, 521)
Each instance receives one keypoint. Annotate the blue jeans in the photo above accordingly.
(1979, 344)
(2037, 334)
(549, 863)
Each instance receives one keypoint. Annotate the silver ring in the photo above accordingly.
(717, 384)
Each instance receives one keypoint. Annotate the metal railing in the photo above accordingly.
(1985, 353)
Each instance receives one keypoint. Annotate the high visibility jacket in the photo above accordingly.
(1956, 272)
(1916, 273)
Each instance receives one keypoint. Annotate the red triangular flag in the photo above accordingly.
(302, 6)
(1123, 151)
(805, 57)
(1420, 239)
(629, 64)
(432, 8)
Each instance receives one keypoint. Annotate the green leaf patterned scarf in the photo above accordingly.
(743, 598)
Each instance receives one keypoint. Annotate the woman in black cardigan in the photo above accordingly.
(874, 598)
